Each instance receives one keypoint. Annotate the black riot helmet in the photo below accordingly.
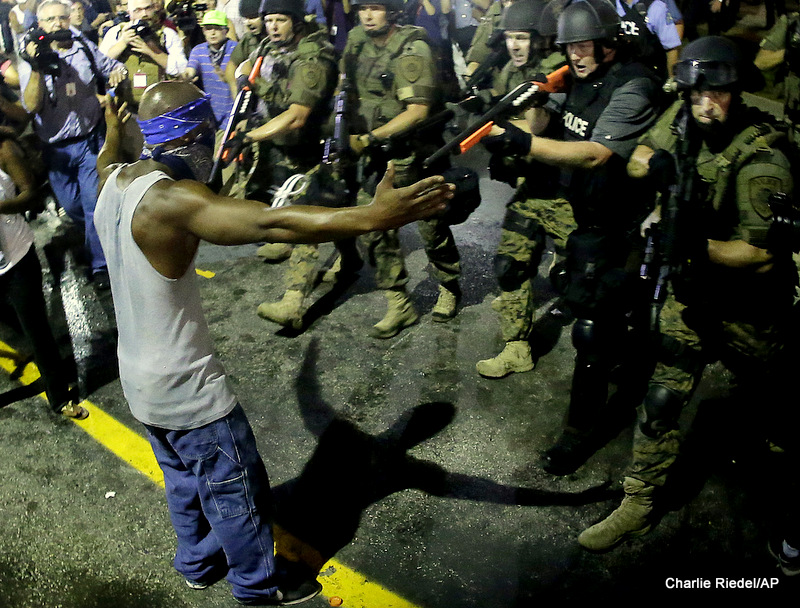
(249, 9)
(712, 62)
(523, 16)
(296, 9)
(583, 20)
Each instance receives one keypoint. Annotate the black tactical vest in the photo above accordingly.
(601, 197)
(647, 47)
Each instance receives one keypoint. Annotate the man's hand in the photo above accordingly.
(140, 46)
(399, 206)
(508, 140)
(117, 76)
(127, 34)
(357, 144)
(116, 117)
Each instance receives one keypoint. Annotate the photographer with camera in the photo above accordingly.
(150, 51)
(60, 77)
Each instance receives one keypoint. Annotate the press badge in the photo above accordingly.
(71, 89)
(140, 80)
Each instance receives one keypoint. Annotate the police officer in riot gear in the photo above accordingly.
(608, 105)
(732, 284)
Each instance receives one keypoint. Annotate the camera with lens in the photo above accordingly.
(184, 14)
(121, 17)
(146, 33)
(44, 59)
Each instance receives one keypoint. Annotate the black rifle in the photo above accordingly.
(334, 169)
(670, 241)
(480, 78)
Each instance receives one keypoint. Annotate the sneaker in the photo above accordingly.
(284, 596)
(790, 566)
(196, 585)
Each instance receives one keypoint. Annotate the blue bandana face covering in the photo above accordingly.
(193, 160)
(177, 123)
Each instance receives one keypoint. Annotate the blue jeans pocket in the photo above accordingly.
(227, 482)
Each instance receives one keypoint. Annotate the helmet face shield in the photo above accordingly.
(713, 74)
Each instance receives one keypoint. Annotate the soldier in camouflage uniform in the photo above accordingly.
(479, 49)
(535, 211)
(391, 71)
(732, 298)
(253, 36)
(297, 78)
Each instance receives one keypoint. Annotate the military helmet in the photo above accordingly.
(583, 20)
(296, 9)
(249, 8)
(523, 16)
(391, 5)
(712, 61)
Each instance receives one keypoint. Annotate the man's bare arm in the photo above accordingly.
(739, 254)
(293, 118)
(110, 153)
(575, 154)
(192, 208)
(34, 92)
(12, 164)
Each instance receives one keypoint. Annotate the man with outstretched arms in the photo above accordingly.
(151, 217)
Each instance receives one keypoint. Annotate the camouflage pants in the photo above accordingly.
(755, 355)
(386, 256)
(552, 217)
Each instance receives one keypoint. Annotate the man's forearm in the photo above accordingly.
(739, 254)
(572, 154)
(116, 49)
(290, 120)
(34, 93)
(407, 118)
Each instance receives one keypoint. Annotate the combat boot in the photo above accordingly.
(274, 252)
(631, 519)
(288, 311)
(516, 357)
(447, 305)
(399, 315)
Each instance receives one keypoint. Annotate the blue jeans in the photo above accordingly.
(73, 177)
(219, 501)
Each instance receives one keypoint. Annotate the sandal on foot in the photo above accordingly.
(74, 411)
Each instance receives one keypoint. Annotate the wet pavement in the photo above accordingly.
(394, 456)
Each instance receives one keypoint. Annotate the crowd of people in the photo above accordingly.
(664, 200)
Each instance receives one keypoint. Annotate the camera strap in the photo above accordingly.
(99, 79)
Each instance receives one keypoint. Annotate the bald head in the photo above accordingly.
(162, 97)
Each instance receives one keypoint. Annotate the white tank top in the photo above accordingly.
(167, 368)
(16, 237)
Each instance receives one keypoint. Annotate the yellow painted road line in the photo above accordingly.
(336, 578)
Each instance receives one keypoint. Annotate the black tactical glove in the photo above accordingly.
(513, 142)
(241, 82)
(234, 146)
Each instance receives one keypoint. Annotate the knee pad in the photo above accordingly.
(660, 411)
(585, 337)
(511, 273)
(524, 226)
